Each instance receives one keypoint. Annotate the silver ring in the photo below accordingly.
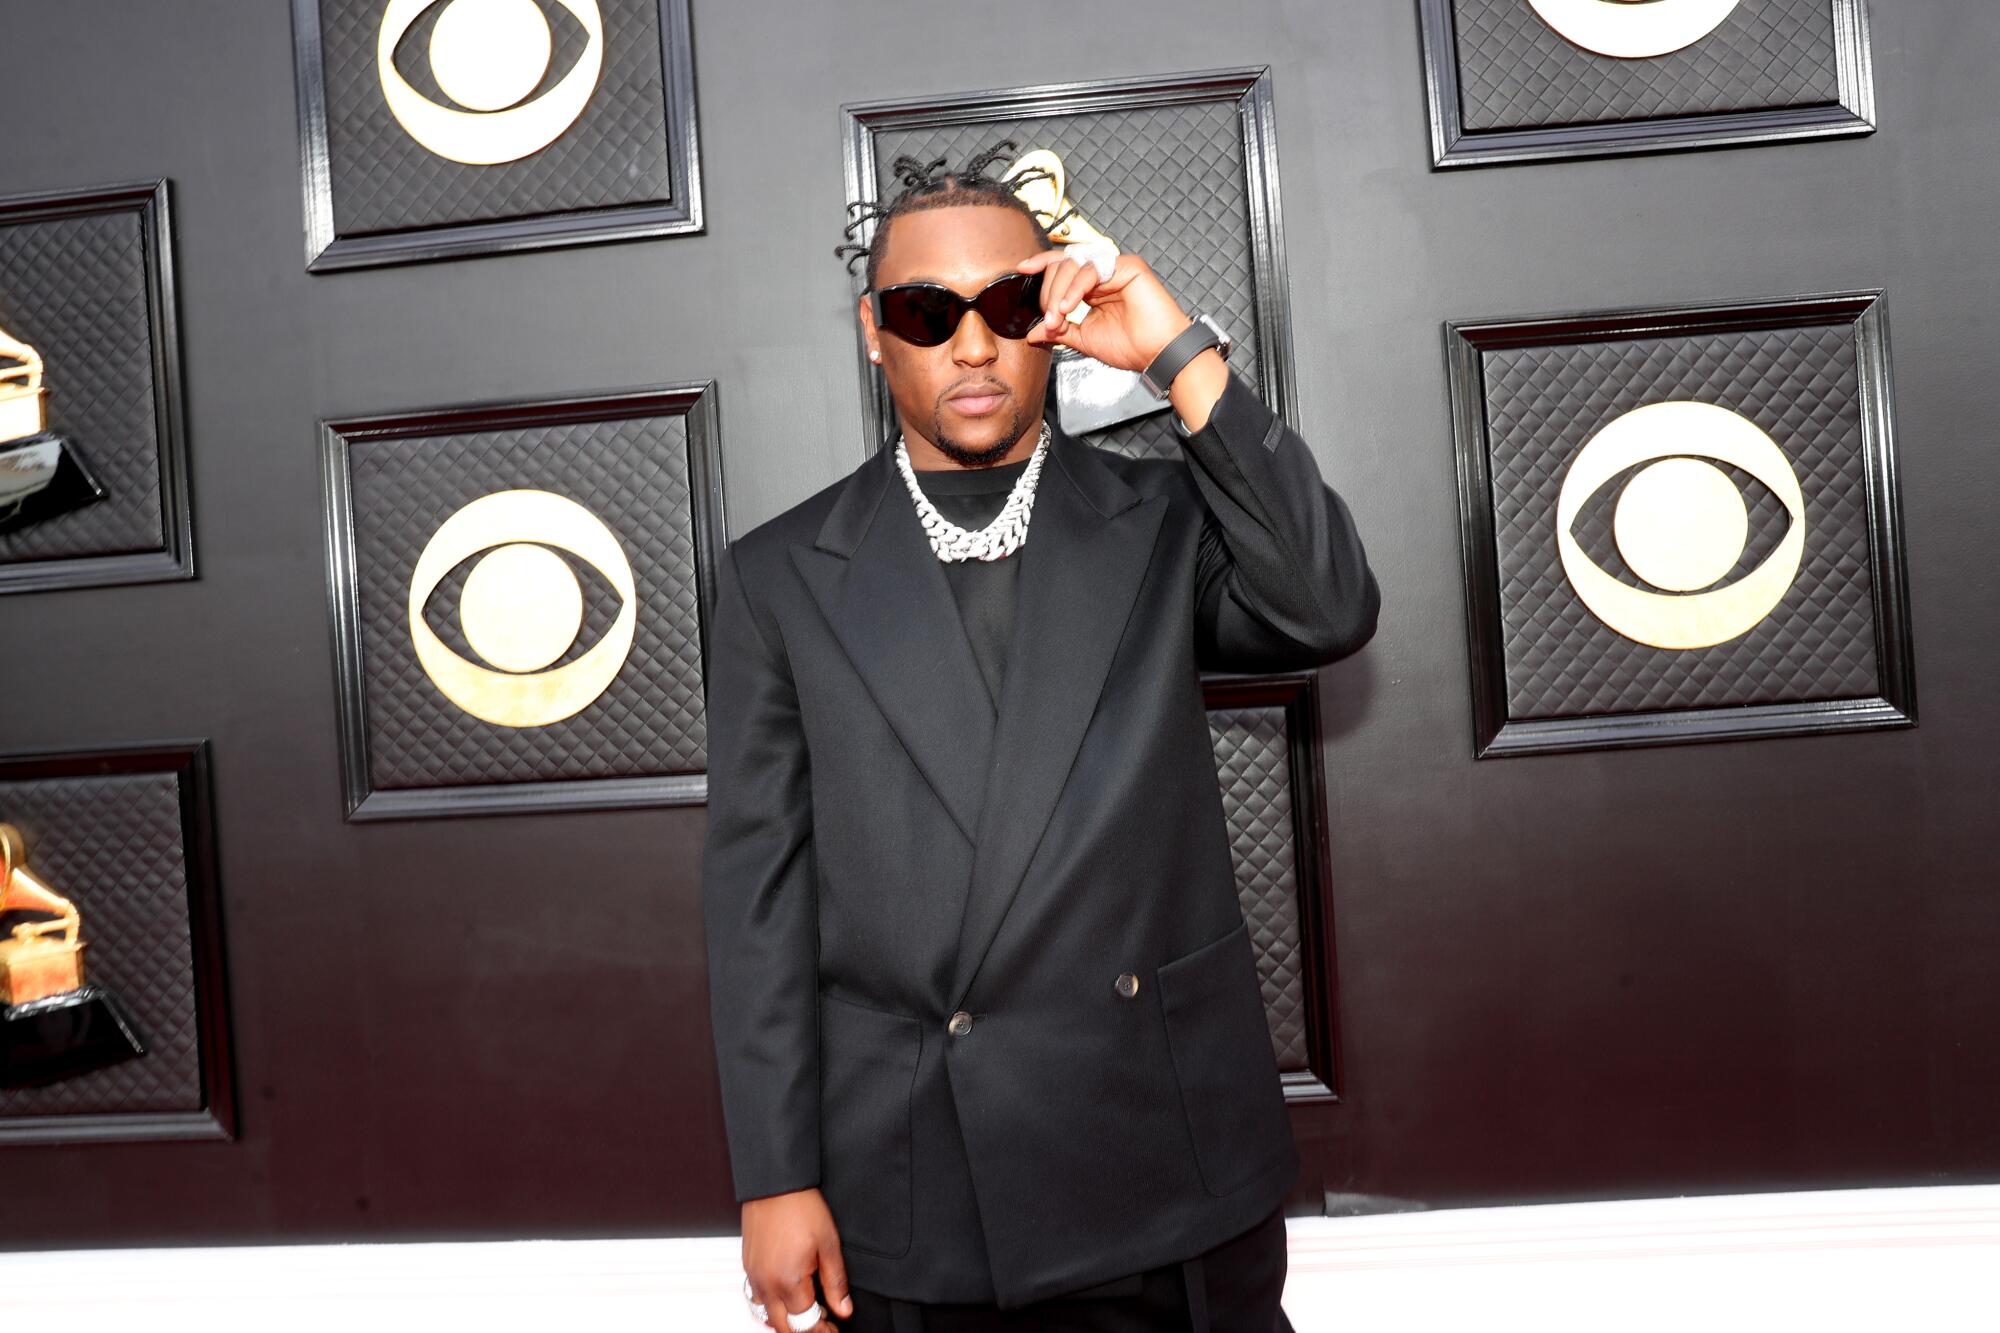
(811, 1318)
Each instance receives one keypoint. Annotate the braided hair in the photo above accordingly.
(925, 185)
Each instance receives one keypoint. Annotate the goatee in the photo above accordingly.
(986, 457)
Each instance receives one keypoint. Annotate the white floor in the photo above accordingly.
(1827, 1261)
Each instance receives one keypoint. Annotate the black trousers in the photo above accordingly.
(1232, 1288)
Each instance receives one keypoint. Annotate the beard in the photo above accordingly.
(969, 457)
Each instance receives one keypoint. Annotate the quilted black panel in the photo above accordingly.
(113, 845)
(1254, 761)
(1165, 182)
(75, 289)
(383, 180)
(1515, 72)
(633, 474)
(1800, 386)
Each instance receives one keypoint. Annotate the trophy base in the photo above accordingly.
(1091, 396)
(42, 476)
(45, 1041)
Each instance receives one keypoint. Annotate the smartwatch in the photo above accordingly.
(1191, 342)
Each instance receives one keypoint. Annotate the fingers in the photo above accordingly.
(760, 1296)
(1064, 283)
(1066, 279)
(761, 1293)
(1042, 259)
(1055, 272)
(1072, 287)
(833, 1278)
(1070, 282)
(1073, 283)
(796, 1298)
(1055, 275)
(780, 1297)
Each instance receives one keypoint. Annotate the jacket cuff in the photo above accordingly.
(756, 1186)
(1238, 413)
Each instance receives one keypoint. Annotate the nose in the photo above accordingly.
(972, 343)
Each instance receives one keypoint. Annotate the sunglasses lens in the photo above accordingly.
(1011, 305)
(920, 313)
(926, 313)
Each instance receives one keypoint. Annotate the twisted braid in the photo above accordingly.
(931, 185)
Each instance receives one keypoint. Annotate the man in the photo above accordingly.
(986, 1013)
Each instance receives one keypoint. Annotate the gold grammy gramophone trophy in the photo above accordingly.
(1090, 396)
(41, 474)
(52, 1023)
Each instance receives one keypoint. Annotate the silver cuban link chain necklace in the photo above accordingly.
(998, 539)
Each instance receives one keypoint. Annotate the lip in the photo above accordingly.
(980, 401)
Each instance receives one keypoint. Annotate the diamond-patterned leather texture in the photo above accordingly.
(1516, 72)
(1254, 762)
(1800, 386)
(1167, 183)
(75, 289)
(633, 474)
(113, 845)
(384, 180)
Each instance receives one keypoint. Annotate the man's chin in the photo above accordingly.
(973, 455)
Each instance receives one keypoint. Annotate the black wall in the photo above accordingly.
(1680, 970)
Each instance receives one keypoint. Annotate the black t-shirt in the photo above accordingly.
(972, 498)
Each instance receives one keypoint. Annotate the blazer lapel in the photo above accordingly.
(883, 592)
(885, 596)
(1090, 540)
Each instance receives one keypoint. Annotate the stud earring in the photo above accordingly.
(874, 355)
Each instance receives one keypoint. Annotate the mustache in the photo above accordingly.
(972, 387)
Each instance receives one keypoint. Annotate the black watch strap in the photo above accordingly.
(1189, 343)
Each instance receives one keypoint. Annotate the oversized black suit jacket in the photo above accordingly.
(884, 852)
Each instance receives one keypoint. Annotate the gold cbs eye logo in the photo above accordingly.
(487, 55)
(522, 607)
(1634, 29)
(1680, 524)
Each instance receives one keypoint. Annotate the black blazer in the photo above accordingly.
(984, 978)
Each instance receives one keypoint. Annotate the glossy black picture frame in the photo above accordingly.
(1495, 735)
(327, 251)
(696, 401)
(174, 559)
(1453, 146)
(1249, 87)
(190, 761)
(1297, 693)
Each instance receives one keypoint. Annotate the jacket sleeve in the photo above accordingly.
(1281, 579)
(759, 911)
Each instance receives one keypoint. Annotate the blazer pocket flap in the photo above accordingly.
(868, 1072)
(1220, 1040)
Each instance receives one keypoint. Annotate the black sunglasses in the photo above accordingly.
(927, 313)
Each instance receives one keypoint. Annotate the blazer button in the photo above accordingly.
(961, 1023)
(1128, 985)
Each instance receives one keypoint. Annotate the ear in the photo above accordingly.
(866, 313)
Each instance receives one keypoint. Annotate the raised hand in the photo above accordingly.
(1132, 314)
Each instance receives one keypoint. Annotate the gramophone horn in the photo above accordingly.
(1049, 196)
(53, 1024)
